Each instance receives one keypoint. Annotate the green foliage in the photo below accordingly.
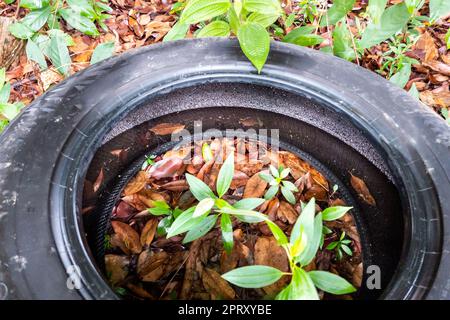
(447, 39)
(300, 249)
(338, 10)
(341, 246)
(342, 42)
(277, 182)
(255, 43)
(303, 36)
(43, 20)
(375, 9)
(215, 29)
(162, 208)
(7, 110)
(102, 51)
(439, 9)
(309, 8)
(446, 114)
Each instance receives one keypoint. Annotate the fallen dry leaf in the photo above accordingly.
(128, 235)
(148, 232)
(151, 265)
(255, 187)
(166, 168)
(116, 267)
(136, 184)
(163, 129)
(217, 286)
(99, 180)
(287, 213)
(361, 189)
(49, 77)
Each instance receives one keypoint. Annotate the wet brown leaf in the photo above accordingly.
(151, 265)
(128, 235)
(116, 242)
(239, 180)
(98, 181)
(136, 184)
(216, 285)
(361, 189)
(148, 232)
(176, 186)
(255, 187)
(116, 267)
(357, 275)
(163, 129)
(250, 168)
(287, 213)
(438, 66)
(166, 168)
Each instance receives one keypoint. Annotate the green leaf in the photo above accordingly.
(33, 4)
(447, 38)
(203, 207)
(274, 171)
(36, 19)
(198, 188)
(305, 220)
(288, 195)
(294, 34)
(2, 77)
(200, 229)
(59, 54)
(225, 176)
(338, 10)
(334, 213)
(290, 20)
(300, 245)
(10, 110)
(79, 22)
(302, 36)
(207, 153)
(392, 21)
(184, 222)
(227, 232)
(375, 9)
(57, 32)
(177, 32)
(277, 232)
(249, 203)
(263, 6)
(103, 51)
(414, 92)
(257, 276)
(233, 20)
(5, 92)
(302, 286)
(439, 9)
(215, 29)
(245, 215)
(332, 245)
(34, 53)
(309, 253)
(402, 76)
(20, 30)
(331, 283)
(290, 186)
(201, 10)
(265, 20)
(255, 43)
(158, 211)
(347, 250)
(266, 177)
(83, 7)
(342, 42)
(271, 192)
(164, 225)
(285, 293)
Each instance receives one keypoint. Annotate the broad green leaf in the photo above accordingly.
(263, 6)
(255, 43)
(237, 6)
(9, 110)
(330, 282)
(82, 6)
(34, 53)
(392, 21)
(177, 32)
(257, 276)
(59, 54)
(375, 9)
(439, 9)
(290, 20)
(159, 209)
(300, 31)
(79, 22)
(200, 229)
(227, 232)
(207, 153)
(203, 207)
(302, 286)
(305, 220)
(338, 10)
(3, 124)
(277, 232)
(334, 213)
(402, 76)
(184, 222)
(198, 188)
(225, 176)
(342, 42)
(302, 36)
(264, 20)
(288, 195)
(20, 30)
(290, 186)
(201, 10)
(103, 51)
(249, 203)
(346, 249)
(309, 253)
(271, 192)
(36, 19)
(299, 246)
(414, 92)
(274, 171)
(285, 293)
(60, 33)
(164, 225)
(33, 4)
(233, 20)
(215, 29)
(5, 92)
(244, 215)
(266, 177)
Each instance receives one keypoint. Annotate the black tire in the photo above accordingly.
(47, 149)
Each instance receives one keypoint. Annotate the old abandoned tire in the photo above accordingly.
(48, 148)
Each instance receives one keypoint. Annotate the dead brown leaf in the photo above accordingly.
(362, 190)
(163, 129)
(287, 213)
(255, 187)
(128, 235)
(166, 168)
(216, 285)
(116, 267)
(136, 184)
(148, 232)
(98, 181)
(151, 265)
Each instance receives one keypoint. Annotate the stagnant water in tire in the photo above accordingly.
(141, 262)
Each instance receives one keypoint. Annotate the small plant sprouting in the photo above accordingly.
(276, 180)
(341, 246)
(149, 161)
(162, 208)
(300, 249)
(197, 220)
